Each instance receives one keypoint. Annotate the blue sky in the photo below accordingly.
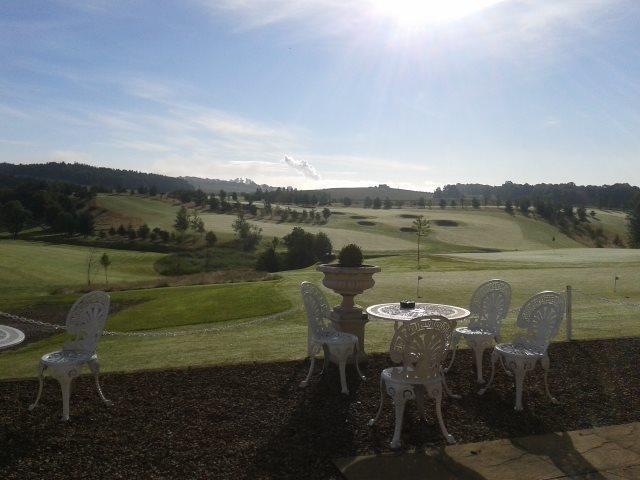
(411, 93)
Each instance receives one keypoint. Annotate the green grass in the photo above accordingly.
(36, 268)
(485, 228)
(446, 280)
(31, 270)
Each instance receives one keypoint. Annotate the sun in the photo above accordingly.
(419, 13)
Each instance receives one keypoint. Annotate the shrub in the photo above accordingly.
(210, 238)
(350, 256)
(322, 247)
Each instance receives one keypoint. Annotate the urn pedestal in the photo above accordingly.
(349, 281)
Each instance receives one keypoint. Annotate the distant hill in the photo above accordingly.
(358, 194)
(214, 185)
(88, 175)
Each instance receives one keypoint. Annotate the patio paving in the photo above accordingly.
(599, 453)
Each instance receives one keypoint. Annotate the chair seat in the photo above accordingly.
(67, 357)
(333, 337)
(518, 350)
(400, 375)
(474, 332)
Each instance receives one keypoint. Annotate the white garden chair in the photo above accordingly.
(323, 336)
(420, 346)
(540, 317)
(489, 307)
(85, 323)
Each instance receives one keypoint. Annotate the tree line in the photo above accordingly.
(58, 207)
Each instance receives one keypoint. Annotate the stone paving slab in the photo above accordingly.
(598, 453)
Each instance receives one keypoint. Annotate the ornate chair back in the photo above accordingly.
(421, 346)
(318, 310)
(86, 321)
(540, 317)
(490, 305)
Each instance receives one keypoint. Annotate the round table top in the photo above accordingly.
(393, 312)
(10, 336)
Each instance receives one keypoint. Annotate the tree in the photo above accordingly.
(422, 202)
(112, 231)
(268, 260)
(421, 226)
(326, 213)
(475, 203)
(387, 203)
(197, 223)
(122, 231)
(367, 202)
(13, 216)
(105, 261)
(633, 224)
(582, 213)
(234, 196)
(143, 231)
(214, 203)
(508, 206)
(453, 204)
(300, 248)
(182, 220)
(346, 201)
(443, 203)
(240, 226)
(377, 203)
(85, 224)
(66, 222)
(524, 206)
(249, 235)
(322, 247)
(210, 238)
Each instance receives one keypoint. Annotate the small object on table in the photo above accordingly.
(407, 304)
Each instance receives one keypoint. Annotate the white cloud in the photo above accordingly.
(303, 167)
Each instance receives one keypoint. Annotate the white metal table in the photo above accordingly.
(393, 312)
(10, 336)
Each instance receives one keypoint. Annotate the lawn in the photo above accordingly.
(464, 229)
(36, 268)
(446, 280)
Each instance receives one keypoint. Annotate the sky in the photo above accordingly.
(309, 93)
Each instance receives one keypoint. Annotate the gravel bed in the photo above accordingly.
(253, 422)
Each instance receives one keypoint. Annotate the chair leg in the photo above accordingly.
(435, 392)
(495, 356)
(519, 373)
(65, 387)
(447, 389)
(399, 401)
(342, 364)
(478, 351)
(41, 369)
(545, 365)
(356, 350)
(305, 382)
(454, 348)
(382, 394)
(95, 369)
(326, 361)
(422, 413)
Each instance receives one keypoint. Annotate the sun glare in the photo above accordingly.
(418, 13)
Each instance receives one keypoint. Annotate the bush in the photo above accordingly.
(322, 247)
(350, 256)
(210, 238)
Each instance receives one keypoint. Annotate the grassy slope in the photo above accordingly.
(484, 228)
(34, 268)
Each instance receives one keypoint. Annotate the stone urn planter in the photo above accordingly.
(349, 282)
